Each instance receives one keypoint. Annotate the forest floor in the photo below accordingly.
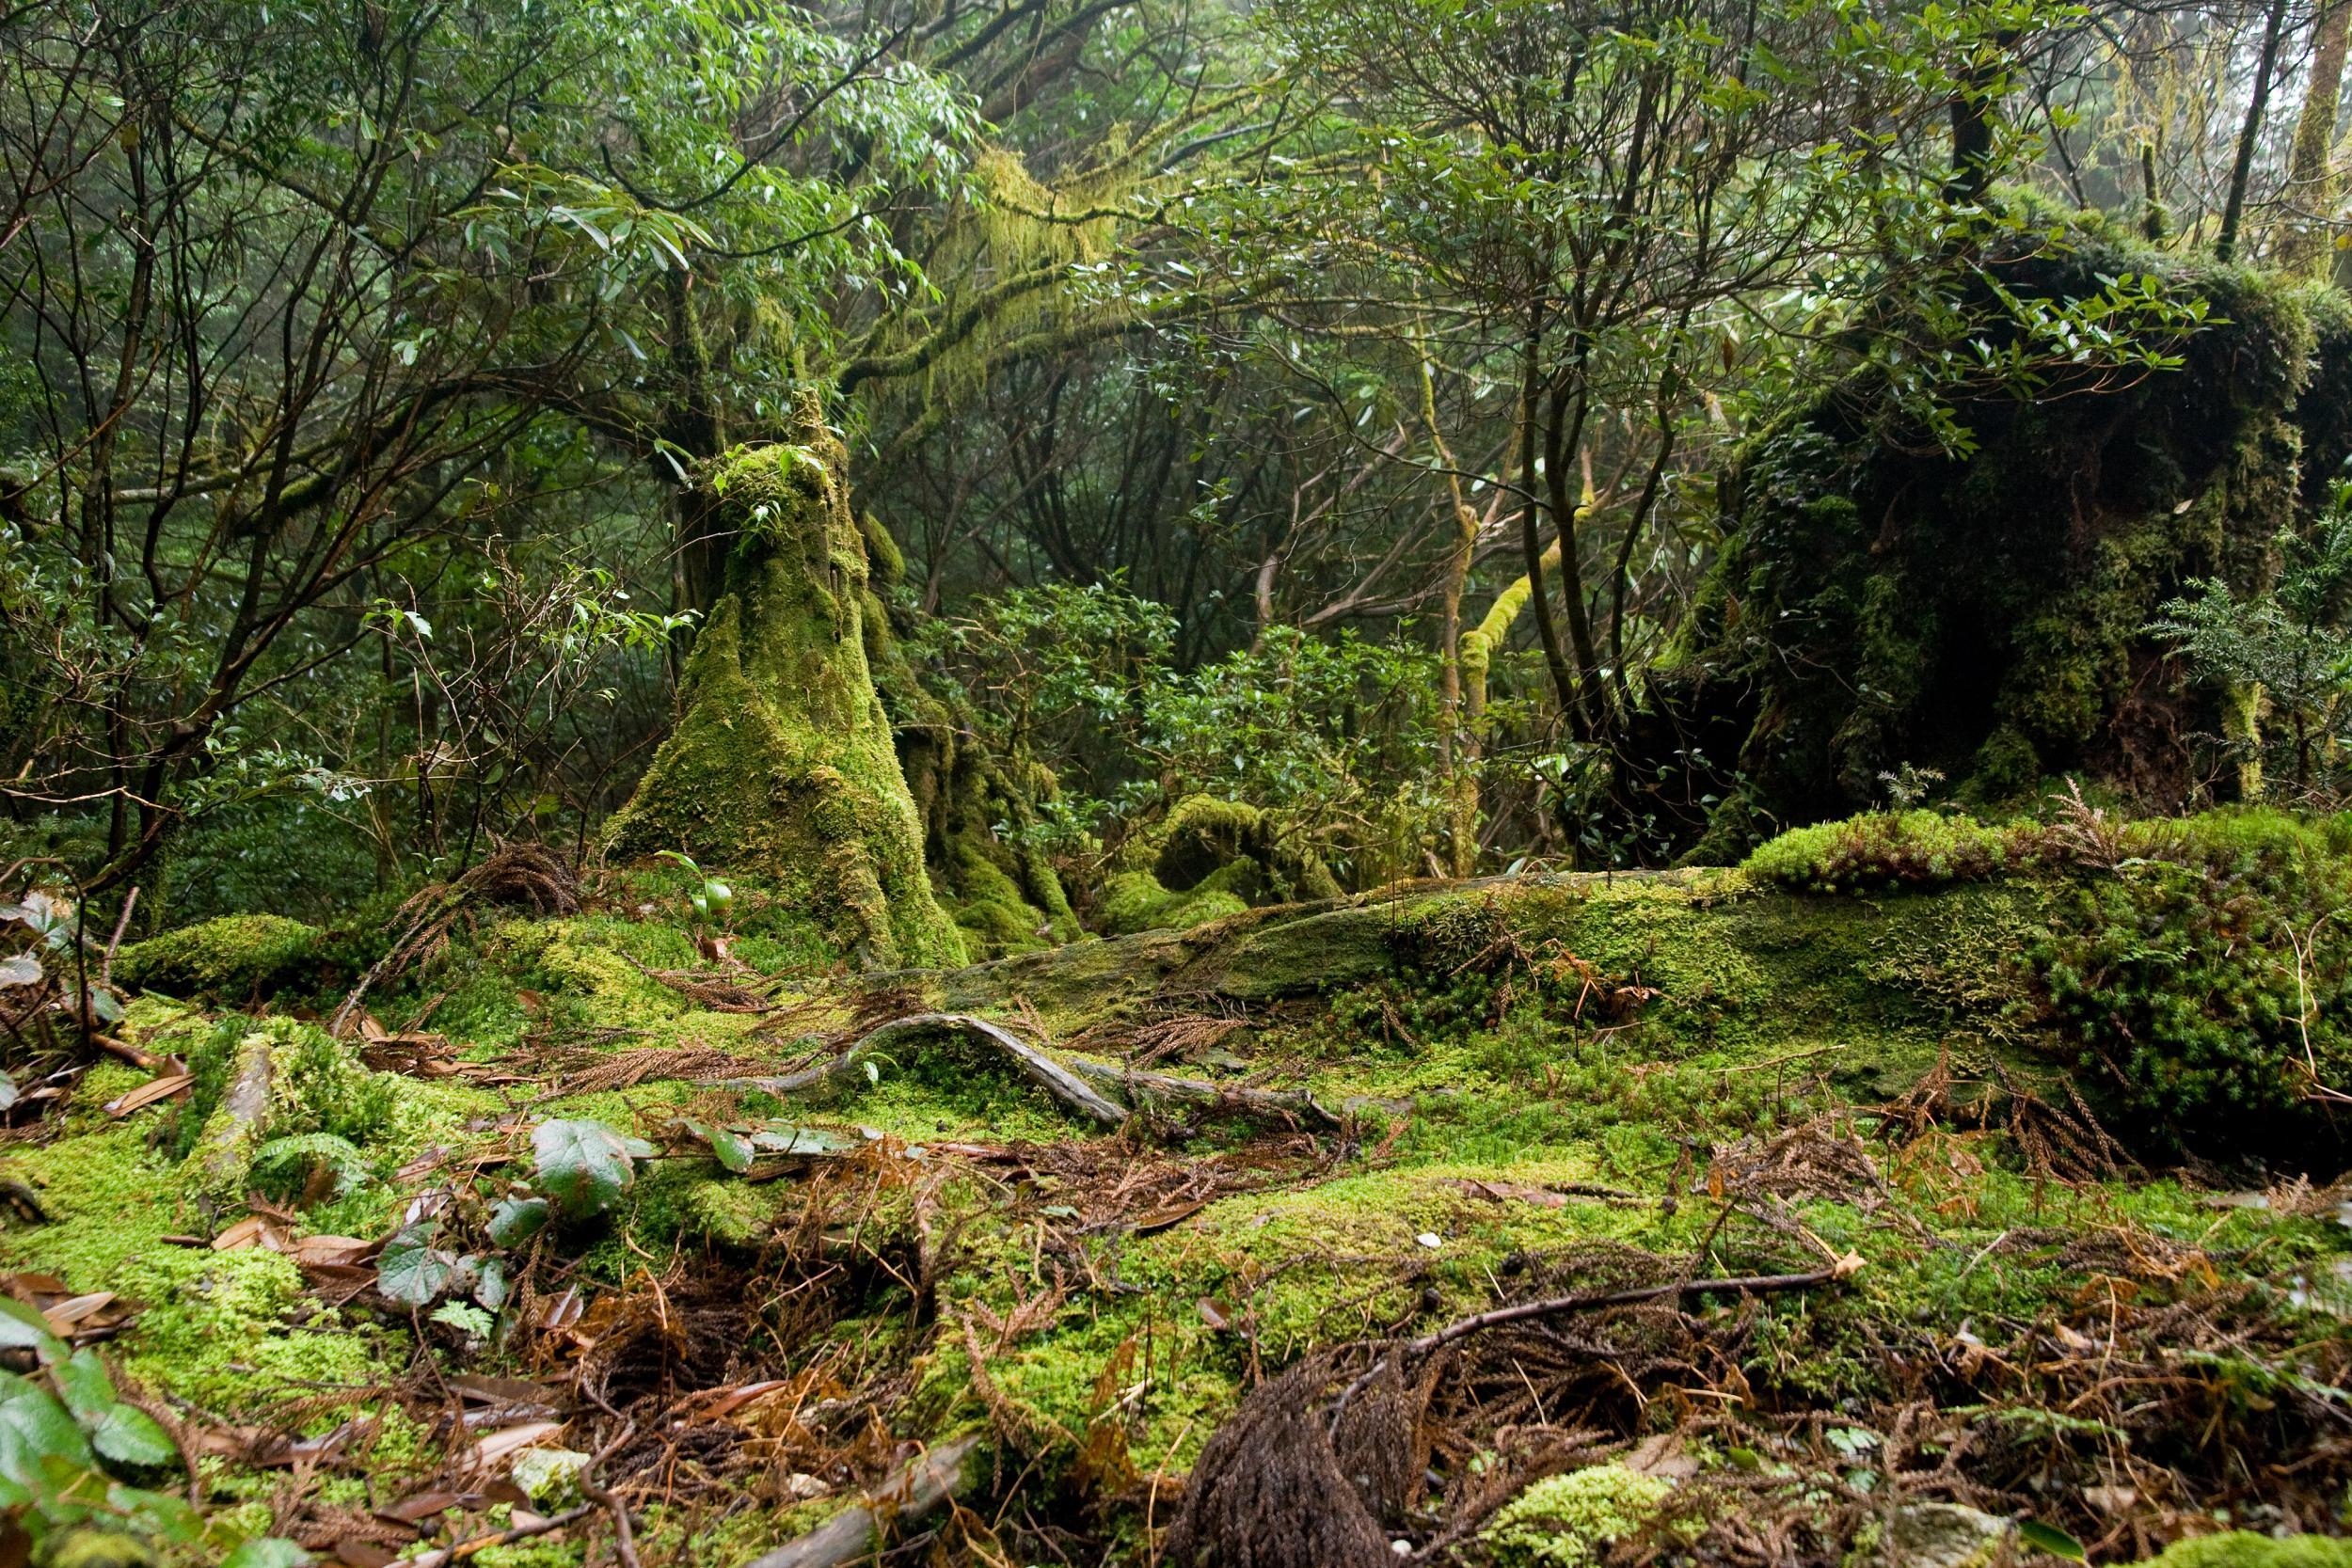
(596, 1240)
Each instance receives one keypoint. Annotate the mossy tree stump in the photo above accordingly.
(782, 764)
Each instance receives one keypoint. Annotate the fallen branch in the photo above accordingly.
(1754, 1284)
(1142, 1086)
(848, 1071)
(1066, 1081)
(910, 1492)
(444, 1556)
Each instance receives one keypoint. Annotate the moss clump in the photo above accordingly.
(234, 957)
(2245, 1549)
(782, 761)
(1891, 849)
(1567, 1521)
(1137, 901)
(2199, 981)
(1210, 858)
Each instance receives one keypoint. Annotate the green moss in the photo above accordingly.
(1137, 901)
(2245, 1549)
(1891, 849)
(782, 760)
(234, 958)
(1567, 1521)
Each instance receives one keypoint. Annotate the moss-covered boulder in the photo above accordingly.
(782, 762)
(1884, 600)
(233, 959)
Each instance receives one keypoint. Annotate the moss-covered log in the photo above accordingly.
(782, 763)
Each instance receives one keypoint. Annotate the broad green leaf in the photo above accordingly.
(83, 1383)
(268, 1552)
(21, 1328)
(584, 1166)
(491, 1288)
(515, 1220)
(2050, 1539)
(733, 1149)
(782, 1137)
(130, 1436)
(412, 1270)
(35, 1429)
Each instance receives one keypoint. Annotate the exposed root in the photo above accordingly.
(912, 1491)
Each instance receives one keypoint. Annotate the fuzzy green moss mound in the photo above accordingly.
(234, 958)
(2245, 1549)
(1568, 1521)
(1890, 848)
(1211, 858)
(1883, 602)
(782, 763)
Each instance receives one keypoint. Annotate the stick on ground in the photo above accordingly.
(910, 1492)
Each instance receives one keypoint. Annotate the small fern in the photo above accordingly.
(288, 1158)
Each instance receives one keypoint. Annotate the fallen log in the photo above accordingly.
(1142, 1086)
(222, 1158)
(909, 1493)
(1066, 1081)
(848, 1071)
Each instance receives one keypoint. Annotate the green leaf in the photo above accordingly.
(83, 1384)
(412, 1270)
(21, 1328)
(782, 1137)
(733, 1149)
(584, 1166)
(129, 1435)
(35, 1429)
(515, 1220)
(2050, 1539)
(491, 1290)
(269, 1551)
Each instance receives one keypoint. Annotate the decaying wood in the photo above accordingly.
(848, 1071)
(224, 1149)
(1142, 1087)
(912, 1491)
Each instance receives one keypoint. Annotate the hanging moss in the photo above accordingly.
(1880, 602)
(782, 761)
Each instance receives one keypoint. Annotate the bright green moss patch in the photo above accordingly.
(1568, 1521)
(233, 958)
(1891, 849)
(2245, 1549)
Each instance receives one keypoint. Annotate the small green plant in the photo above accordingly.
(713, 900)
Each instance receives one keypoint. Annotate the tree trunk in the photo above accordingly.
(2311, 168)
(2241, 175)
(782, 766)
(1456, 756)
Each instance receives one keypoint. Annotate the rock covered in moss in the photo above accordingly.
(1569, 1521)
(1882, 600)
(1939, 1536)
(234, 958)
(782, 761)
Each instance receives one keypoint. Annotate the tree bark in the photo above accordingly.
(2311, 167)
(2241, 175)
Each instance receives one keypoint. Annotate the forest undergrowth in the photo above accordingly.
(1700, 1217)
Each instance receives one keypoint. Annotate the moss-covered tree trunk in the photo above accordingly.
(781, 764)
